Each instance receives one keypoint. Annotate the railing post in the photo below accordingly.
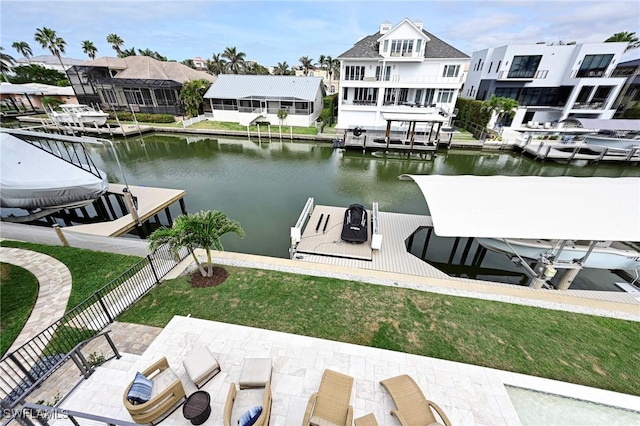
(153, 269)
(80, 365)
(113, 346)
(104, 307)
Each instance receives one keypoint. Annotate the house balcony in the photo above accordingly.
(522, 75)
(421, 79)
(594, 105)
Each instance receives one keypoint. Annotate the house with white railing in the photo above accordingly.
(550, 82)
(399, 69)
(246, 99)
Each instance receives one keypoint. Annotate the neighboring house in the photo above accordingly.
(28, 97)
(398, 69)
(331, 83)
(630, 93)
(550, 82)
(50, 62)
(140, 83)
(245, 99)
(199, 63)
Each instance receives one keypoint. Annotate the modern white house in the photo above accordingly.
(399, 69)
(245, 99)
(550, 82)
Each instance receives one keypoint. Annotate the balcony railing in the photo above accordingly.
(589, 105)
(522, 75)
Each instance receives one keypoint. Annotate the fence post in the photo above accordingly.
(153, 269)
(104, 307)
(61, 236)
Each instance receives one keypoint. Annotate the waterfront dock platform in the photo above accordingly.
(123, 130)
(151, 201)
(321, 236)
(543, 150)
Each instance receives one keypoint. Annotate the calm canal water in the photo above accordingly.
(264, 185)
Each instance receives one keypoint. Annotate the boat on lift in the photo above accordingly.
(39, 172)
(76, 114)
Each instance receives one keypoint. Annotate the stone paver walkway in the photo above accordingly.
(54, 281)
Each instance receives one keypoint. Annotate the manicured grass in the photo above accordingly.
(224, 125)
(589, 350)
(18, 293)
(90, 270)
(177, 124)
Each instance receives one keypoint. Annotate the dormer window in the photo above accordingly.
(419, 46)
(385, 49)
(401, 47)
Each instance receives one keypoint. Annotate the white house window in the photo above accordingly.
(133, 96)
(401, 47)
(418, 46)
(445, 96)
(109, 96)
(354, 72)
(385, 45)
(428, 96)
(451, 70)
(333, 89)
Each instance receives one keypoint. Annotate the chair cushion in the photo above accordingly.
(140, 391)
(319, 421)
(256, 372)
(245, 400)
(162, 381)
(250, 416)
(199, 363)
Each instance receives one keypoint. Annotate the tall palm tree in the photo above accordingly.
(192, 94)
(625, 36)
(217, 65)
(48, 39)
(307, 64)
(116, 43)
(89, 49)
(322, 62)
(127, 52)
(281, 69)
(189, 63)
(23, 48)
(333, 67)
(236, 59)
(6, 63)
(200, 230)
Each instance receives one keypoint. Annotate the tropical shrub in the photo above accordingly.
(144, 117)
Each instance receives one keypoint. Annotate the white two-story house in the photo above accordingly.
(398, 69)
(550, 82)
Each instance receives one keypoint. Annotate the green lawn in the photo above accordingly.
(224, 125)
(177, 124)
(18, 293)
(90, 270)
(588, 350)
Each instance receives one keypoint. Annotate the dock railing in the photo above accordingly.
(376, 235)
(296, 231)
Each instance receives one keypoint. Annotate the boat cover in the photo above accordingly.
(355, 225)
(556, 208)
(31, 178)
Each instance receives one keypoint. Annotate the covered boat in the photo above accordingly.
(80, 114)
(34, 177)
(355, 225)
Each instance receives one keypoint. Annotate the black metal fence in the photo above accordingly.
(39, 357)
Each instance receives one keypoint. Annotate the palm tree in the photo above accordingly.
(23, 48)
(322, 62)
(281, 69)
(236, 59)
(307, 64)
(625, 36)
(501, 106)
(48, 39)
(6, 63)
(216, 66)
(89, 49)
(189, 63)
(116, 42)
(200, 230)
(127, 52)
(192, 93)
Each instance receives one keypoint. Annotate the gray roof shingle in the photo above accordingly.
(367, 48)
(231, 86)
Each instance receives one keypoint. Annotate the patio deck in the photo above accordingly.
(470, 395)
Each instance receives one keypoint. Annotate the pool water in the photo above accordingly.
(536, 408)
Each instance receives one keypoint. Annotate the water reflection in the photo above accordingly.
(265, 185)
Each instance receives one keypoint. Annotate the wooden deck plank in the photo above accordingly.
(151, 201)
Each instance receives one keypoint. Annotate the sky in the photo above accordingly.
(276, 31)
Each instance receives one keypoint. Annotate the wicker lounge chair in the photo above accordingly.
(412, 408)
(255, 390)
(167, 395)
(331, 404)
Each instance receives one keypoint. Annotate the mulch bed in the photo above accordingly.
(219, 276)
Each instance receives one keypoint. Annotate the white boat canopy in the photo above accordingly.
(556, 208)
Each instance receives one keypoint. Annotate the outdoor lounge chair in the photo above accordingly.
(330, 406)
(167, 394)
(255, 391)
(412, 408)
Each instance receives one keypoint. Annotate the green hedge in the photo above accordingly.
(329, 108)
(470, 110)
(144, 117)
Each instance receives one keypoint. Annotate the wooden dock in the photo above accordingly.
(556, 151)
(151, 201)
(124, 130)
(321, 236)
